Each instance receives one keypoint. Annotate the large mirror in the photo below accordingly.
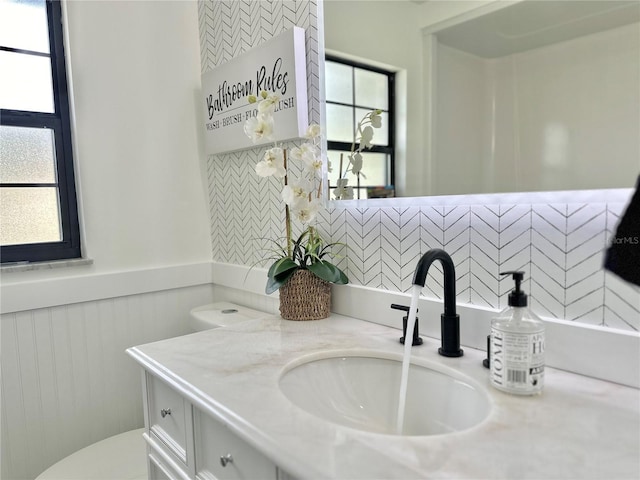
(496, 96)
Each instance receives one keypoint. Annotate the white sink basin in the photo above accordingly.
(361, 390)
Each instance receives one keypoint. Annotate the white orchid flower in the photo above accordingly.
(343, 191)
(376, 119)
(356, 163)
(306, 212)
(272, 164)
(313, 131)
(268, 105)
(313, 165)
(297, 192)
(365, 137)
(259, 127)
(304, 151)
(309, 154)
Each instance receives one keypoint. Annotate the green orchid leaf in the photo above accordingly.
(281, 265)
(328, 272)
(343, 279)
(323, 271)
(276, 281)
(307, 251)
(340, 277)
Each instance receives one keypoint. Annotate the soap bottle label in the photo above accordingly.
(517, 361)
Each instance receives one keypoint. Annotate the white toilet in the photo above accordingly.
(123, 456)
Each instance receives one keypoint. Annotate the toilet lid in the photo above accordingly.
(122, 456)
(221, 314)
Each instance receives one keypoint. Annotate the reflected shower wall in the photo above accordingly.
(559, 117)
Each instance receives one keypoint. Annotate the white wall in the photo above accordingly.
(544, 119)
(135, 72)
(66, 381)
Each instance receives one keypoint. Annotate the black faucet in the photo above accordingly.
(449, 320)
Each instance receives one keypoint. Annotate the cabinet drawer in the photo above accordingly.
(161, 464)
(158, 470)
(223, 455)
(169, 416)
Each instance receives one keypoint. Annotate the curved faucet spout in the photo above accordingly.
(449, 320)
(422, 269)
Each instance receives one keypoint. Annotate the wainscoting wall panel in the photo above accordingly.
(66, 379)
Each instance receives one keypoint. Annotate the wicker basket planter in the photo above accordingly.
(305, 297)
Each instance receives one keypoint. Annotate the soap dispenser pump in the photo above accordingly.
(517, 345)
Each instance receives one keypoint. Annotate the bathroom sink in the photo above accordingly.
(361, 390)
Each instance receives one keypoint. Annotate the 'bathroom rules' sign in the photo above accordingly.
(278, 66)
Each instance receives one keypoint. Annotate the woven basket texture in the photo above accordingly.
(305, 297)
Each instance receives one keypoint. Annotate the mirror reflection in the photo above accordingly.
(360, 99)
(488, 97)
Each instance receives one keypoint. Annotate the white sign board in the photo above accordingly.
(278, 66)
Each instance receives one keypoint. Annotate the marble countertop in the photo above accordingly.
(579, 428)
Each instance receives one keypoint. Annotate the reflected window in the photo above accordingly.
(352, 90)
(39, 219)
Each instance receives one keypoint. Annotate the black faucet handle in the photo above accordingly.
(404, 308)
(416, 334)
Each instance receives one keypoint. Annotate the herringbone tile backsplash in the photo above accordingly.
(559, 245)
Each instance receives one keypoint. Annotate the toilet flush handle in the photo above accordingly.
(226, 459)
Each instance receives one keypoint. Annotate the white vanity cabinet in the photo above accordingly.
(184, 442)
(224, 390)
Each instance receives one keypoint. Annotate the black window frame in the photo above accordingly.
(388, 149)
(60, 123)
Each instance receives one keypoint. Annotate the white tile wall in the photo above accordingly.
(560, 245)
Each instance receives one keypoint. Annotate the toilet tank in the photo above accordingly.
(221, 314)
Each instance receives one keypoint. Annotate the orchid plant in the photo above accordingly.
(361, 140)
(301, 196)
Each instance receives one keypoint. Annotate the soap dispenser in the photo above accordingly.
(517, 345)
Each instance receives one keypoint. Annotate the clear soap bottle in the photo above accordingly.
(517, 346)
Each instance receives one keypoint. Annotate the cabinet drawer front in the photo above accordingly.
(223, 455)
(169, 416)
(158, 470)
(162, 465)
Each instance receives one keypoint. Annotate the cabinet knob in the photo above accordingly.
(224, 459)
(164, 412)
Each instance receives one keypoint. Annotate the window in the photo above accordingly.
(39, 219)
(352, 90)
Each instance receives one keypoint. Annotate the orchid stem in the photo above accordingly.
(287, 220)
(287, 215)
